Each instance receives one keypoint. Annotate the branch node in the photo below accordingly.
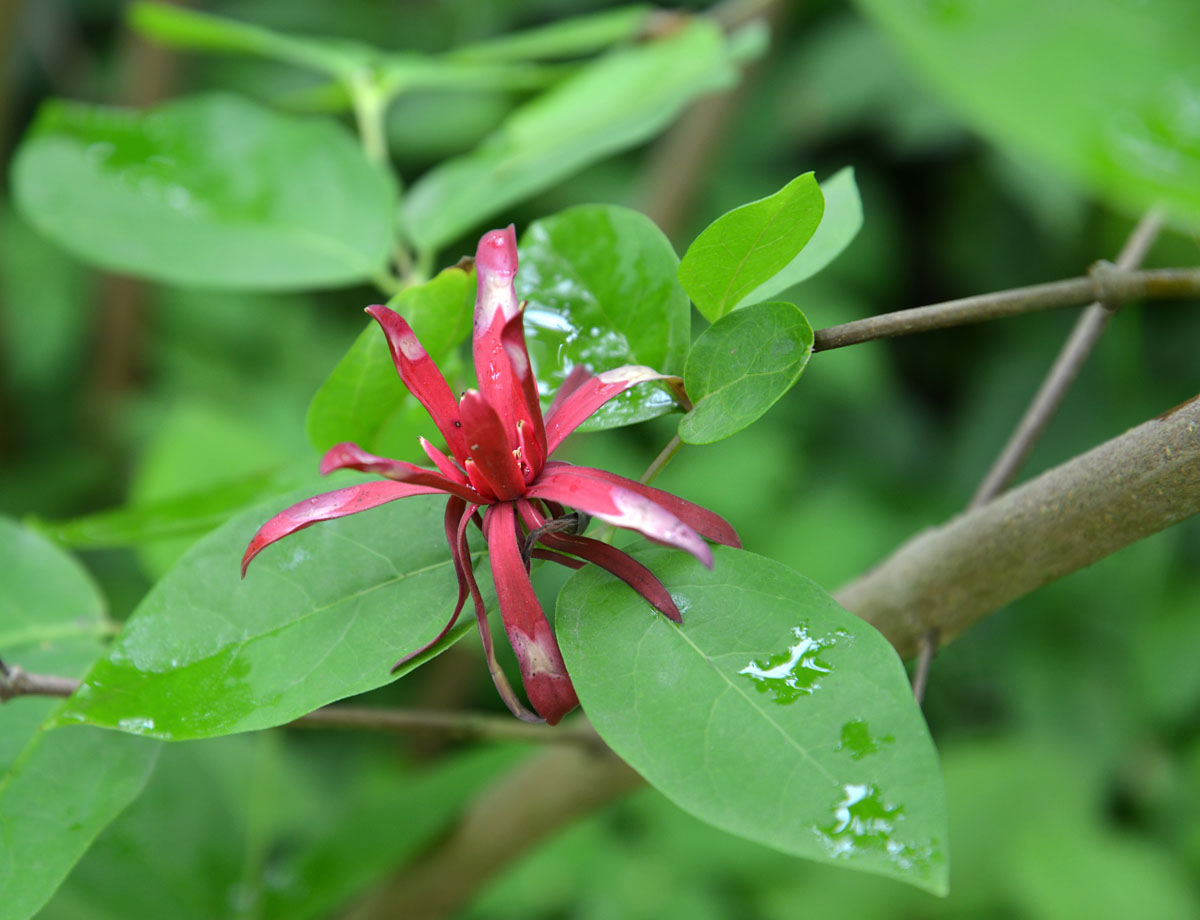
(1105, 275)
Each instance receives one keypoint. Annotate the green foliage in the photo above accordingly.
(363, 400)
(742, 250)
(741, 366)
(601, 291)
(58, 787)
(1127, 132)
(167, 194)
(771, 712)
(317, 618)
(615, 102)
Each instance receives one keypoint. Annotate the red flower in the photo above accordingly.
(499, 465)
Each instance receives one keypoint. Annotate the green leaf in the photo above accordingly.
(254, 822)
(182, 28)
(749, 246)
(602, 292)
(840, 222)
(771, 713)
(364, 400)
(58, 788)
(740, 367)
(207, 191)
(1128, 132)
(320, 616)
(611, 104)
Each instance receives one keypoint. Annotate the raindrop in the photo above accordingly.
(797, 672)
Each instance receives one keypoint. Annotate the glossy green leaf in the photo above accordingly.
(740, 367)
(322, 615)
(58, 788)
(841, 220)
(1127, 131)
(252, 824)
(601, 287)
(364, 400)
(207, 191)
(749, 245)
(771, 713)
(183, 28)
(611, 104)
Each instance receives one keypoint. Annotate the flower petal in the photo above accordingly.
(488, 446)
(594, 393)
(620, 507)
(621, 564)
(457, 511)
(328, 506)
(547, 683)
(348, 456)
(578, 376)
(444, 464)
(708, 524)
(421, 376)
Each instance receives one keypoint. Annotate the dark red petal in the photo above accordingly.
(348, 456)
(620, 507)
(621, 564)
(569, 561)
(328, 506)
(708, 524)
(578, 377)
(488, 446)
(456, 511)
(444, 464)
(527, 402)
(591, 395)
(547, 683)
(421, 376)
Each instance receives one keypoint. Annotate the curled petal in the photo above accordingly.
(495, 268)
(421, 376)
(620, 507)
(326, 507)
(348, 456)
(578, 376)
(707, 523)
(444, 464)
(621, 564)
(575, 409)
(457, 513)
(547, 683)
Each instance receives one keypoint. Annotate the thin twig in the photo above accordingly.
(1110, 287)
(927, 648)
(1075, 351)
(464, 726)
(663, 458)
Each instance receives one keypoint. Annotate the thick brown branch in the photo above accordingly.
(1109, 286)
(951, 576)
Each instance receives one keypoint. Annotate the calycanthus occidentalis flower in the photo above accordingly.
(499, 475)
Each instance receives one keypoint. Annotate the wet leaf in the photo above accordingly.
(207, 191)
(771, 713)
(363, 400)
(322, 615)
(602, 292)
(841, 220)
(1128, 132)
(740, 367)
(611, 104)
(748, 246)
(60, 787)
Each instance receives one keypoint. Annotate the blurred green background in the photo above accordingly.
(1069, 723)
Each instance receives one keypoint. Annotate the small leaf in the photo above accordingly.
(840, 222)
(320, 616)
(749, 245)
(363, 400)
(740, 367)
(602, 292)
(207, 191)
(611, 104)
(771, 712)
(58, 788)
(566, 38)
